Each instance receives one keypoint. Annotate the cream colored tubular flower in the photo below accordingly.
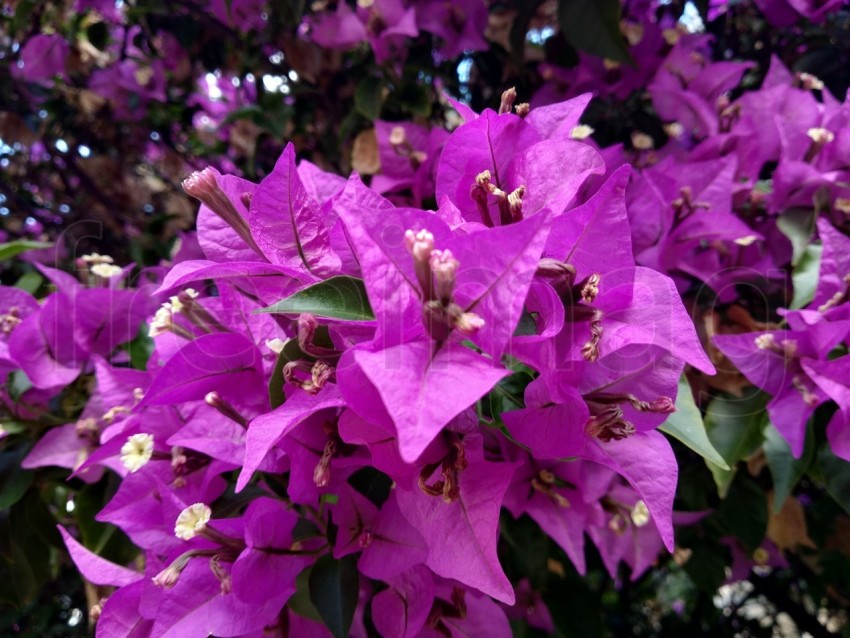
(137, 451)
(192, 520)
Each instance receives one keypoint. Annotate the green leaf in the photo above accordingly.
(103, 539)
(594, 26)
(300, 602)
(707, 565)
(519, 28)
(18, 383)
(15, 248)
(291, 352)
(27, 528)
(415, 99)
(372, 483)
(744, 512)
(340, 297)
(14, 480)
(334, 590)
(577, 610)
(140, 349)
(797, 224)
(527, 325)
(784, 468)
(368, 97)
(836, 476)
(805, 276)
(686, 425)
(734, 426)
(30, 281)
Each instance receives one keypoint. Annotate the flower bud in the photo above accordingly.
(507, 102)
(468, 323)
(444, 269)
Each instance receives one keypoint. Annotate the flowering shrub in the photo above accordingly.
(401, 402)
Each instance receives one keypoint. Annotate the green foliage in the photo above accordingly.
(594, 26)
(334, 591)
(686, 425)
(784, 468)
(14, 248)
(734, 426)
(340, 297)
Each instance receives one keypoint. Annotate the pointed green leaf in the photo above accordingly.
(784, 468)
(368, 97)
(291, 352)
(300, 602)
(334, 590)
(836, 476)
(15, 248)
(686, 425)
(594, 26)
(744, 512)
(805, 276)
(341, 297)
(30, 281)
(797, 224)
(734, 426)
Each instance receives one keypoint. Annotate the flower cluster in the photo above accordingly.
(366, 423)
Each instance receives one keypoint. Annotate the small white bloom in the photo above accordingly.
(640, 514)
(96, 258)
(581, 132)
(137, 451)
(192, 520)
(191, 293)
(175, 305)
(674, 130)
(820, 135)
(842, 204)
(765, 341)
(642, 141)
(161, 321)
(397, 136)
(275, 345)
(633, 31)
(747, 240)
(811, 82)
(671, 36)
(106, 270)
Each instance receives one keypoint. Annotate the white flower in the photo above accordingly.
(106, 270)
(746, 240)
(174, 304)
(640, 514)
(192, 520)
(96, 258)
(642, 141)
(275, 345)
(820, 135)
(161, 321)
(581, 132)
(674, 130)
(811, 82)
(137, 451)
(765, 341)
